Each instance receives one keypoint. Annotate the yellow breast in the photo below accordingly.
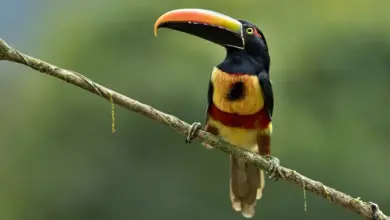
(252, 101)
(246, 138)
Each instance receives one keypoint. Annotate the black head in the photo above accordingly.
(255, 42)
(253, 57)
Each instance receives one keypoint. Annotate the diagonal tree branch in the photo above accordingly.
(368, 210)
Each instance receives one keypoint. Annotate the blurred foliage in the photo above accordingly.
(59, 159)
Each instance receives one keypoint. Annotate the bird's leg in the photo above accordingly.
(195, 127)
(264, 145)
(211, 129)
(192, 131)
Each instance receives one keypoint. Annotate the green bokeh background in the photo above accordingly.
(331, 73)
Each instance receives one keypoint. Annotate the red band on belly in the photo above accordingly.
(259, 120)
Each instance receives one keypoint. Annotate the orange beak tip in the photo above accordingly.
(155, 31)
(156, 27)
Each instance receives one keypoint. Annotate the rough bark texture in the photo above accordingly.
(368, 210)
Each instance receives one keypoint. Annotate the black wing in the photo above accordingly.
(209, 97)
(266, 87)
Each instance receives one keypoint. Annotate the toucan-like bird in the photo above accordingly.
(240, 96)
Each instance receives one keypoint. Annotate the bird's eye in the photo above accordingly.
(250, 31)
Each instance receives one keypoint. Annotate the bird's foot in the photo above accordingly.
(274, 169)
(375, 210)
(192, 131)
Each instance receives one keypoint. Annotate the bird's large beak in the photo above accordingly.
(209, 25)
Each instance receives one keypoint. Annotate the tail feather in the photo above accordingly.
(246, 186)
(261, 186)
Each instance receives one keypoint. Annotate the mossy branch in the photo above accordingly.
(368, 210)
